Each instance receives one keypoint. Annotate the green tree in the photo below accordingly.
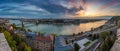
(29, 30)
(66, 41)
(10, 40)
(14, 49)
(17, 39)
(1, 29)
(24, 47)
(14, 25)
(108, 41)
(103, 35)
(27, 48)
(95, 36)
(76, 47)
(107, 44)
(102, 47)
(114, 38)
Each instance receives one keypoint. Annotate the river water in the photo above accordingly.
(60, 29)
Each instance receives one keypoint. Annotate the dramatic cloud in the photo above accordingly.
(110, 3)
(57, 8)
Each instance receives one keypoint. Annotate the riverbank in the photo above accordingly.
(60, 29)
(108, 28)
(90, 39)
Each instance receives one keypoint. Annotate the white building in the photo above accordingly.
(81, 44)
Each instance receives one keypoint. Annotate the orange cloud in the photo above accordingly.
(111, 3)
(76, 4)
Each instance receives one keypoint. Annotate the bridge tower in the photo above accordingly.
(118, 23)
(22, 23)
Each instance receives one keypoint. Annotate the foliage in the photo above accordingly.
(14, 41)
(1, 29)
(87, 43)
(66, 41)
(76, 47)
(29, 30)
(17, 39)
(14, 25)
(114, 37)
(108, 41)
(94, 36)
(23, 47)
(103, 35)
(10, 40)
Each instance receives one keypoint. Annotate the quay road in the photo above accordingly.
(85, 35)
(103, 30)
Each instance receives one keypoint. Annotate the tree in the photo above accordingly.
(106, 45)
(10, 40)
(103, 35)
(27, 48)
(14, 25)
(73, 34)
(76, 47)
(24, 47)
(94, 36)
(66, 41)
(81, 32)
(29, 30)
(92, 29)
(15, 42)
(1, 29)
(21, 47)
(114, 38)
(17, 39)
(102, 47)
(107, 41)
(14, 49)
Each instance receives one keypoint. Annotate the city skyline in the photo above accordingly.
(60, 8)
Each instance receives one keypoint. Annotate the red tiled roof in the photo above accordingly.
(42, 38)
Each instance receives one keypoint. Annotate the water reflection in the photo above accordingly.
(61, 29)
(65, 29)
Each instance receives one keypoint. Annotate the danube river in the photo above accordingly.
(60, 29)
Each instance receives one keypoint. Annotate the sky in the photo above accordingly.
(59, 8)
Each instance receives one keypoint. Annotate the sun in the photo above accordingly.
(84, 13)
(88, 14)
(80, 13)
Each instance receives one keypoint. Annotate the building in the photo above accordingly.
(2, 22)
(42, 43)
(60, 44)
(81, 44)
(8, 26)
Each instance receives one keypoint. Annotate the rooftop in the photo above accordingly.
(60, 47)
(82, 42)
(42, 38)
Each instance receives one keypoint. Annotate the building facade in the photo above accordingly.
(43, 43)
